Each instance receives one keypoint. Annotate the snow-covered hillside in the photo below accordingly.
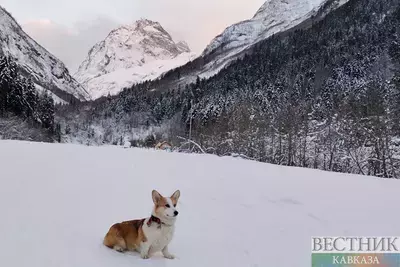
(46, 70)
(58, 201)
(273, 17)
(130, 54)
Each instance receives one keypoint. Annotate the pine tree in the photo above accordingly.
(46, 111)
(15, 97)
(32, 100)
(8, 74)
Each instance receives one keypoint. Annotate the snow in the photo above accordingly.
(113, 82)
(58, 201)
(273, 17)
(131, 54)
(45, 68)
(56, 99)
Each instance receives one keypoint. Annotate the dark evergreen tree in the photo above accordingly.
(18, 95)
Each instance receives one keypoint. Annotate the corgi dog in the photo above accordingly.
(149, 235)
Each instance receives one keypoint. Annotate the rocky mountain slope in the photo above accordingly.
(273, 17)
(131, 54)
(47, 71)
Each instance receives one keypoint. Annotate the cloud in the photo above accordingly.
(71, 45)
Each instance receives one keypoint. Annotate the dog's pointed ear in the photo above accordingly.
(176, 195)
(156, 196)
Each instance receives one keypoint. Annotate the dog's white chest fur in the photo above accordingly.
(158, 237)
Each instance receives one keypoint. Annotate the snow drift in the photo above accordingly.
(58, 201)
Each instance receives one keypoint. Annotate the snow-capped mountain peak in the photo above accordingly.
(129, 54)
(274, 16)
(299, 6)
(183, 46)
(48, 72)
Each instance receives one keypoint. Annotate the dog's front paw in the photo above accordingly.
(144, 256)
(119, 249)
(169, 256)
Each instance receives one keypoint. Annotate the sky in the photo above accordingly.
(68, 29)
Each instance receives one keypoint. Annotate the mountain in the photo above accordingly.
(325, 96)
(234, 212)
(273, 17)
(130, 54)
(48, 72)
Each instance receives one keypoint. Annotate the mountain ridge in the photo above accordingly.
(272, 17)
(129, 54)
(225, 49)
(47, 71)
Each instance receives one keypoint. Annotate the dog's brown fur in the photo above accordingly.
(125, 236)
(159, 205)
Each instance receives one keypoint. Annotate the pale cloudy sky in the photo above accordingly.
(70, 28)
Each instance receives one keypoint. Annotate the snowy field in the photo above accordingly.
(58, 201)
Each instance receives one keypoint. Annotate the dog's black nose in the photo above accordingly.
(176, 213)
